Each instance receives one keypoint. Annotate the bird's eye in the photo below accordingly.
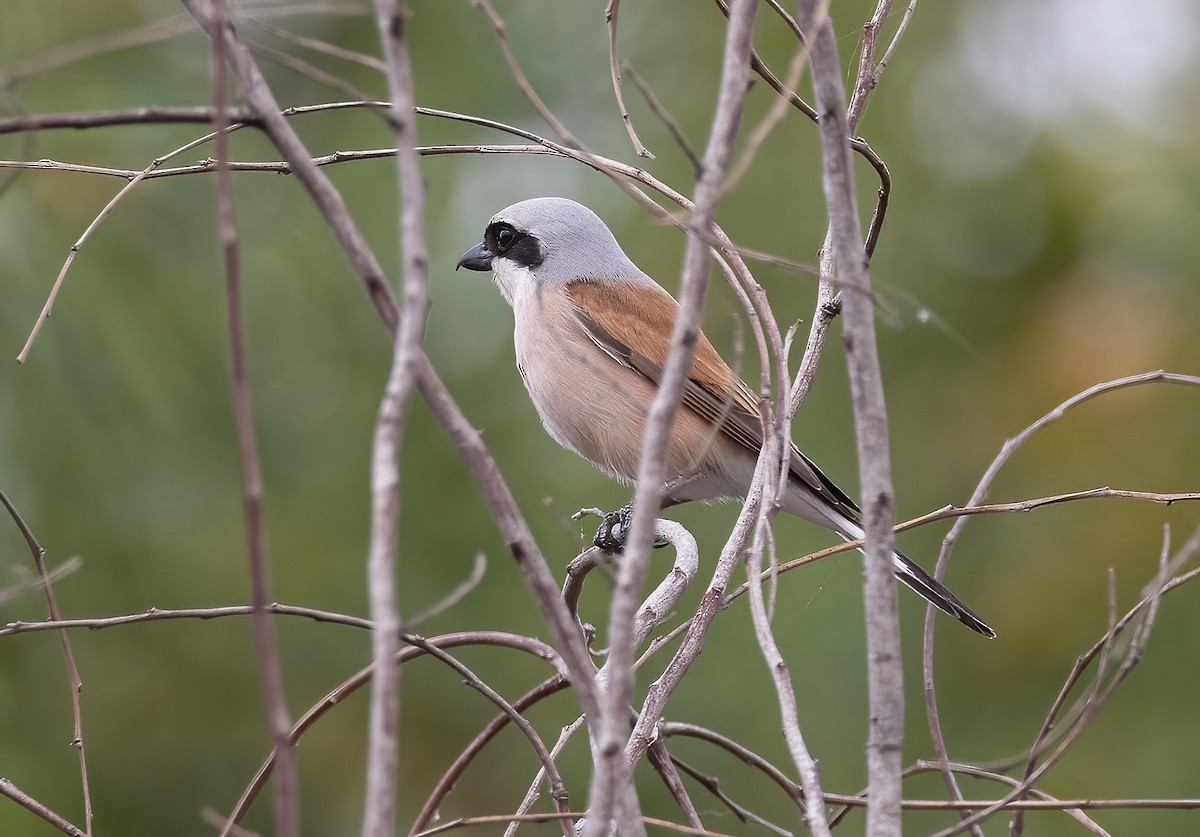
(505, 239)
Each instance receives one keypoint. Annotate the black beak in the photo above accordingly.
(478, 257)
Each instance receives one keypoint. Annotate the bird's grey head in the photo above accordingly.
(554, 240)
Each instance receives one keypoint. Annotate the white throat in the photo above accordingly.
(515, 281)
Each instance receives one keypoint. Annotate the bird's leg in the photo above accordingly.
(610, 537)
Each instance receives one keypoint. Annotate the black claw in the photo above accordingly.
(610, 537)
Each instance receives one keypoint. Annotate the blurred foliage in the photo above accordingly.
(1041, 239)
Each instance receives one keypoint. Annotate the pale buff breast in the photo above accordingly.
(588, 402)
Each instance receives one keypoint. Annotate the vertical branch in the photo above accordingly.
(866, 79)
(735, 76)
(610, 16)
(482, 467)
(383, 735)
(39, 561)
(869, 72)
(266, 640)
(884, 677)
(806, 765)
(383, 746)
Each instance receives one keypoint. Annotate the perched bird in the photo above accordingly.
(592, 332)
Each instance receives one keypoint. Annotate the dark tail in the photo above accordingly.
(932, 591)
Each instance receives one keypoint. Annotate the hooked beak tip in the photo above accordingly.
(478, 257)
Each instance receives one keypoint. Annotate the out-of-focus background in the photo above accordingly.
(1042, 238)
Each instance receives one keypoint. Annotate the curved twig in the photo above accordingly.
(419, 647)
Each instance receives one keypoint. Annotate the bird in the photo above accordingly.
(592, 331)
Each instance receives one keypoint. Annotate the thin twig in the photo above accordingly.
(103, 214)
(857, 144)
(499, 819)
(308, 70)
(1101, 692)
(713, 785)
(740, 752)
(534, 790)
(315, 44)
(480, 464)
(154, 115)
(610, 17)
(418, 647)
(383, 745)
(870, 72)
(28, 585)
(448, 601)
(660, 760)
(149, 33)
(1168, 566)
(773, 117)
(459, 766)
(146, 115)
(981, 493)
(11, 791)
(519, 76)
(884, 674)
(266, 639)
(660, 110)
(155, 614)
(865, 80)
(76, 683)
(652, 467)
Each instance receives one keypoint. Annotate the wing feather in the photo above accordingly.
(633, 323)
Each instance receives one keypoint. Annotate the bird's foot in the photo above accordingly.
(614, 528)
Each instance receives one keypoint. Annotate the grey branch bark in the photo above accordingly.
(884, 677)
(735, 76)
(383, 742)
(480, 464)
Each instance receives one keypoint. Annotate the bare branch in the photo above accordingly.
(460, 592)
(534, 791)
(150, 115)
(884, 677)
(498, 819)
(314, 44)
(519, 76)
(308, 70)
(458, 767)
(713, 785)
(52, 577)
(383, 746)
(203, 613)
(76, 683)
(857, 144)
(870, 72)
(658, 756)
(108, 208)
(1102, 691)
(63, 56)
(774, 116)
(418, 647)
(10, 790)
(668, 121)
(610, 17)
(266, 639)
(480, 464)
(652, 467)
(980, 494)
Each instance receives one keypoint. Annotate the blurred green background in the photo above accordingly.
(1042, 238)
